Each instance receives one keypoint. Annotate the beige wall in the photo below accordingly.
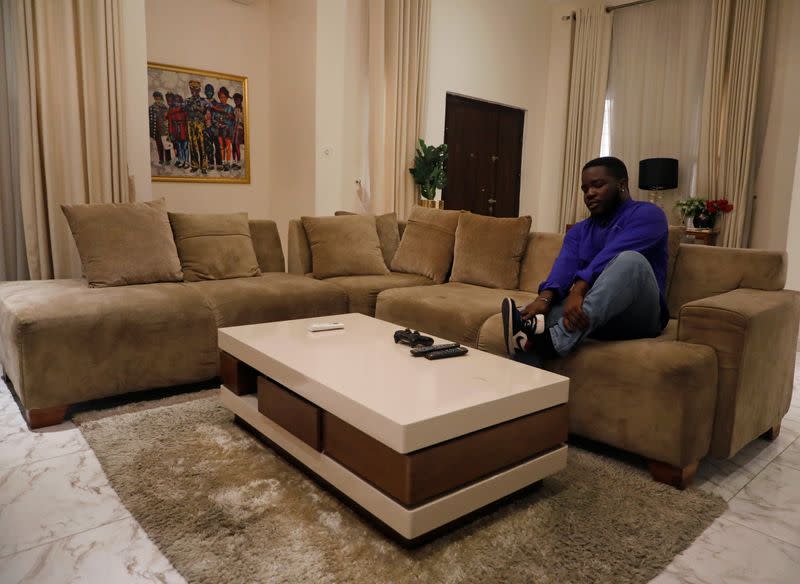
(777, 125)
(218, 35)
(135, 80)
(341, 103)
(495, 51)
(292, 103)
(793, 239)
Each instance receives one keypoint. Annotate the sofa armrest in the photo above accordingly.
(267, 245)
(754, 333)
(299, 250)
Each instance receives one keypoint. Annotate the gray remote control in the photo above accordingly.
(421, 351)
(444, 354)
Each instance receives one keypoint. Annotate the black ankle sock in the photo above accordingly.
(543, 346)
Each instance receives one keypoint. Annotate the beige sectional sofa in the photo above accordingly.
(719, 375)
(62, 342)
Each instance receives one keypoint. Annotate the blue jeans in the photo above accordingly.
(624, 303)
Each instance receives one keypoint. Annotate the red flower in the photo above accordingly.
(718, 206)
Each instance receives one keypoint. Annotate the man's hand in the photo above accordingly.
(539, 306)
(574, 317)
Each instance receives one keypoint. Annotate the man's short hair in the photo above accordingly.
(615, 166)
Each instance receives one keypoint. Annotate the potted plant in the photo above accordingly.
(701, 212)
(429, 172)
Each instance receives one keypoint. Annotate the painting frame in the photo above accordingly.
(203, 75)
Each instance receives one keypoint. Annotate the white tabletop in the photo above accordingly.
(360, 375)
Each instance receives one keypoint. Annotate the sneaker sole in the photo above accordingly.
(508, 333)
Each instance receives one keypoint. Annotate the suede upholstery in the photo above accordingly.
(655, 397)
(754, 334)
(488, 250)
(347, 245)
(427, 244)
(123, 244)
(63, 342)
(453, 311)
(299, 249)
(702, 271)
(388, 234)
(267, 245)
(362, 291)
(214, 246)
(270, 297)
(540, 253)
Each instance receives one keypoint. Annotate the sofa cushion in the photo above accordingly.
(267, 245)
(362, 291)
(453, 311)
(122, 244)
(388, 233)
(488, 250)
(213, 246)
(427, 244)
(655, 397)
(62, 342)
(344, 246)
(270, 297)
(540, 253)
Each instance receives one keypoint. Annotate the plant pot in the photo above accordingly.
(430, 203)
(703, 220)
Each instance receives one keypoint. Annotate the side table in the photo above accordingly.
(702, 236)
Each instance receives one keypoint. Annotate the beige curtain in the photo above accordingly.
(655, 87)
(13, 263)
(725, 166)
(398, 72)
(591, 47)
(63, 69)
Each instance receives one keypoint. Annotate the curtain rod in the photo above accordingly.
(628, 5)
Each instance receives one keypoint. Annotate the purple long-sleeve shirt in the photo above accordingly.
(589, 246)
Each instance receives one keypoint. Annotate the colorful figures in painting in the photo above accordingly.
(200, 133)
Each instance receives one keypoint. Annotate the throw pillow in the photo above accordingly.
(489, 250)
(214, 247)
(388, 233)
(124, 243)
(344, 246)
(427, 244)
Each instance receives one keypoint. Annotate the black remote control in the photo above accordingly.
(444, 354)
(420, 351)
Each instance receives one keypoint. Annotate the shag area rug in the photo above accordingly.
(224, 508)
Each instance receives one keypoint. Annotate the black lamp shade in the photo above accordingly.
(657, 174)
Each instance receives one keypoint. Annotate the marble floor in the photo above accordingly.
(60, 521)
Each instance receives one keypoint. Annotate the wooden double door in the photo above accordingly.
(484, 165)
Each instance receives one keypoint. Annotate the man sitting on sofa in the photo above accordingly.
(609, 279)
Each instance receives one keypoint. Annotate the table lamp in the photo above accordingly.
(658, 174)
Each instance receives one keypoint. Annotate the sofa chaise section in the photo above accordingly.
(62, 342)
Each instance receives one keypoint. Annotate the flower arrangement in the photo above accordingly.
(703, 212)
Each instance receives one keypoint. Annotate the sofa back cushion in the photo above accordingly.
(388, 234)
(124, 243)
(702, 271)
(488, 250)
(427, 244)
(540, 253)
(344, 246)
(267, 245)
(214, 246)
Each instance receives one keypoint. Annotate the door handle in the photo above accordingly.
(492, 201)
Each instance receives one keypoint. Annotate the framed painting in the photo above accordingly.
(198, 125)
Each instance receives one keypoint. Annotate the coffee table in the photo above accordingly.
(417, 444)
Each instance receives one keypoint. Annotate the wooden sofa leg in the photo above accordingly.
(773, 432)
(46, 416)
(672, 475)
